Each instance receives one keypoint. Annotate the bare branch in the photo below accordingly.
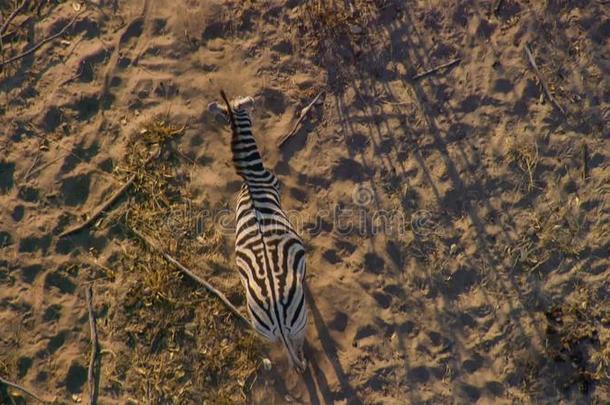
(95, 347)
(193, 276)
(547, 91)
(22, 389)
(11, 17)
(41, 43)
(302, 115)
(436, 69)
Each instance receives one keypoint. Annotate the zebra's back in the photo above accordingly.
(269, 253)
(271, 260)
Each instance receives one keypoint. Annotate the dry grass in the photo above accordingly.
(523, 153)
(578, 334)
(327, 19)
(175, 343)
(557, 231)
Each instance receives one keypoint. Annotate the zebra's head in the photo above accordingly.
(240, 103)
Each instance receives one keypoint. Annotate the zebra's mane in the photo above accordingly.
(229, 110)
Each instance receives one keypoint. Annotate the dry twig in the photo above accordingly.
(304, 112)
(29, 170)
(192, 275)
(73, 77)
(10, 35)
(585, 162)
(436, 69)
(11, 17)
(497, 6)
(39, 168)
(99, 210)
(41, 43)
(95, 347)
(547, 91)
(22, 389)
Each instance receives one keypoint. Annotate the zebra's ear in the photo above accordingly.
(245, 103)
(218, 110)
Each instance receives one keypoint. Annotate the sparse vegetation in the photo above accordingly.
(489, 285)
(524, 154)
(554, 232)
(578, 334)
(178, 345)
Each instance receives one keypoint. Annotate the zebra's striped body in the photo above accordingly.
(270, 255)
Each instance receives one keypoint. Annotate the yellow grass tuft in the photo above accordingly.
(176, 343)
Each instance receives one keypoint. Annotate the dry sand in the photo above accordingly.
(489, 282)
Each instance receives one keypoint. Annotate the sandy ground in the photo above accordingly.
(457, 225)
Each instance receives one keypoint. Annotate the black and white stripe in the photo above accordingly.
(270, 255)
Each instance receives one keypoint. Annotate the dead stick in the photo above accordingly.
(436, 69)
(532, 61)
(39, 168)
(11, 17)
(41, 43)
(304, 112)
(73, 77)
(100, 209)
(9, 35)
(95, 347)
(193, 276)
(497, 6)
(106, 204)
(36, 158)
(22, 389)
(585, 162)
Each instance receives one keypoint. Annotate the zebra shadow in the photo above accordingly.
(314, 378)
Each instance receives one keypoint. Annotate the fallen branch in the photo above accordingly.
(22, 389)
(436, 69)
(497, 6)
(11, 17)
(36, 158)
(193, 276)
(95, 347)
(547, 91)
(98, 211)
(304, 112)
(39, 168)
(585, 162)
(41, 43)
(8, 36)
(73, 77)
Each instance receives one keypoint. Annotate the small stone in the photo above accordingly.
(452, 249)
(267, 364)
(355, 29)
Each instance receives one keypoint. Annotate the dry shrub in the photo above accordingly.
(557, 231)
(578, 334)
(524, 154)
(176, 344)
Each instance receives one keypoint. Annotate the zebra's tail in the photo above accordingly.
(294, 347)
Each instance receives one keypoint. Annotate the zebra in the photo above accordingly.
(269, 254)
